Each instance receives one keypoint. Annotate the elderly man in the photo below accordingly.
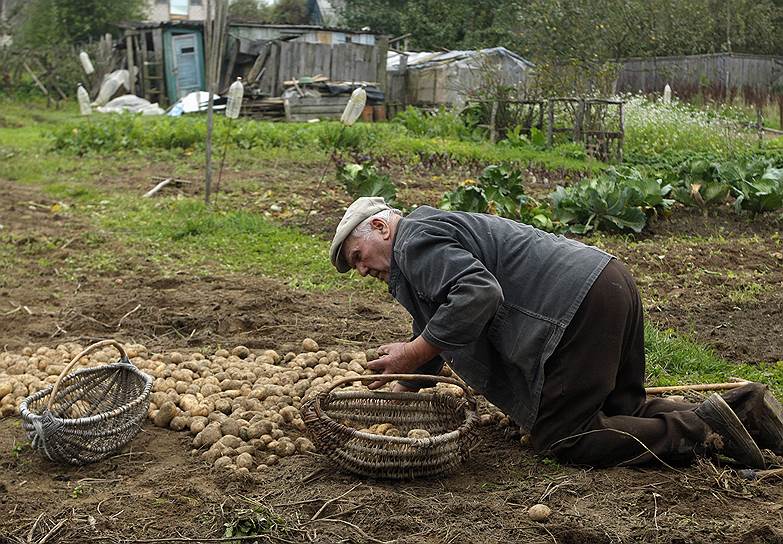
(548, 329)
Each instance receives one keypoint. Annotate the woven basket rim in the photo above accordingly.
(466, 424)
(30, 416)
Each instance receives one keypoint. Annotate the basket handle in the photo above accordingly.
(86, 350)
(428, 377)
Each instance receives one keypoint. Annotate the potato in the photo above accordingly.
(230, 427)
(223, 405)
(180, 423)
(222, 461)
(244, 460)
(209, 436)
(5, 389)
(539, 512)
(166, 413)
(308, 344)
(259, 429)
(240, 351)
(272, 460)
(418, 433)
(284, 448)
(230, 441)
(197, 424)
(304, 445)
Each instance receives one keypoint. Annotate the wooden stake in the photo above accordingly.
(695, 387)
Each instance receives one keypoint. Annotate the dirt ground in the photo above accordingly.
(717, 278)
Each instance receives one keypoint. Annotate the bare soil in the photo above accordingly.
(716, 277)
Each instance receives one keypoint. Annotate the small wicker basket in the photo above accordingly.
(90, 414)
(451, 422)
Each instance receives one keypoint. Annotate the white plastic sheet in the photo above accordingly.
(111, 84)
(131, 103)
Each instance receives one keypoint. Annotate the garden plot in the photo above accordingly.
(159, 488)
(75, 268)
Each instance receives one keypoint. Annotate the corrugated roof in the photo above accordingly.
(424, 59)
(141, 25)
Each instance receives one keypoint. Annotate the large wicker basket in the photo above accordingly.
(89, 414)
(451, 422)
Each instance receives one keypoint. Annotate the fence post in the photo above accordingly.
(578, 118)
(551, 125)
(492, 122)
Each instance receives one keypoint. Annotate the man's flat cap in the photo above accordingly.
(357, 212)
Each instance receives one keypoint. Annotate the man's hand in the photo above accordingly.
(401, 358)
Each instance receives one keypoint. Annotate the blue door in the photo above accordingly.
(187, 68)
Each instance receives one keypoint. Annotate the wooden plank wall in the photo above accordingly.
(716, 75)
(341, 62)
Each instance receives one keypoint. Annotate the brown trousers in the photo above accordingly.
(594, 409)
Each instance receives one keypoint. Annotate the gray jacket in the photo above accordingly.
(494, 294)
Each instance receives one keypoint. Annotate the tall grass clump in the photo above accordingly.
(443, 123)
(657, 131)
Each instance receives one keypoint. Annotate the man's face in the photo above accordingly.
(370, 255)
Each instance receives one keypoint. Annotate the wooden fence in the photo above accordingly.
(721, 76)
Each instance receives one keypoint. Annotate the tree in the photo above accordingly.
(291, 12)
(54, 22)
(249, 10)
(438, 24)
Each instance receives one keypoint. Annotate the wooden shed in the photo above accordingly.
(169, 56)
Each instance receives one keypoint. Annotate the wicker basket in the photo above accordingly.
(452, 424)
(90, 414)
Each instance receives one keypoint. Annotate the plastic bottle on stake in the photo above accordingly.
(84, 101)
(354, 107)
(667, 94)
(84, 58)
(235, 94)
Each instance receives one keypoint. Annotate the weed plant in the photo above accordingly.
(656, 131)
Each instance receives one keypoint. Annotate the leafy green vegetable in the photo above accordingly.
(762, 194)
(500, 192)
(700, 184)
(364, 180)
(620, 199)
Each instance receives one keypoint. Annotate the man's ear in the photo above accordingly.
(381, 226)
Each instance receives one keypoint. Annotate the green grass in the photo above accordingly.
(674, 360)
(183, 234)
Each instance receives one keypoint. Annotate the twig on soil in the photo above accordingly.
(330, 501)
(358, 529)
(52, 531)
(69, 242)
(119, 324)
(32, 529)
(313, 475)
(664, 463)
(13, 311)
(655, 511)
(185, 539)
(58, 331)
(93, 319)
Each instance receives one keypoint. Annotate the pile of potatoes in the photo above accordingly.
(240, 406)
